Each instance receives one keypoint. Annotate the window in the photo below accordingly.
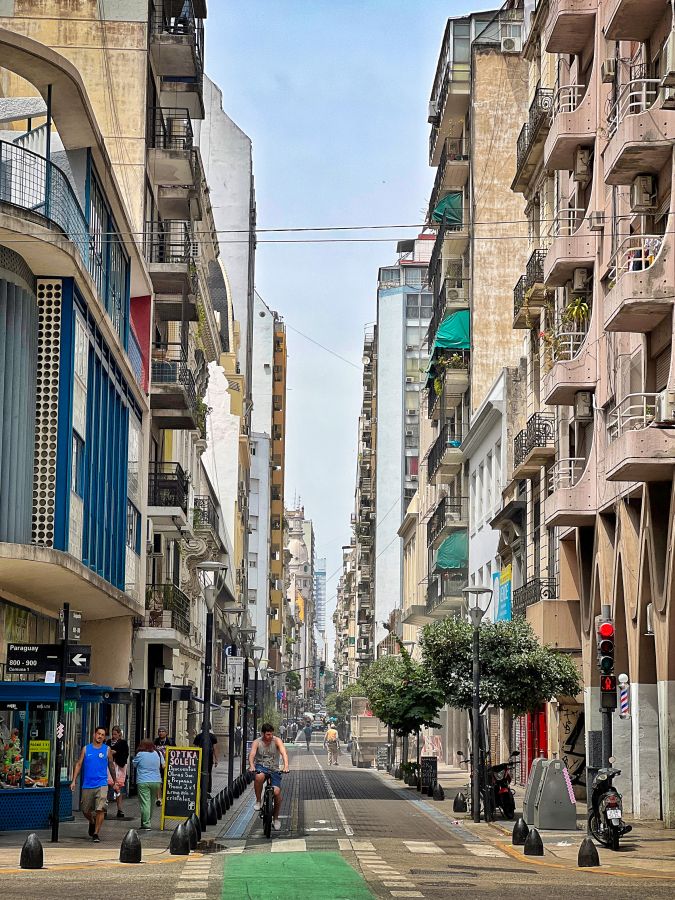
(389, 277)
(133, 528)
(413, 276)
(479, 493)
(488, 484)
(77, 474)
(253, 446)
(253, 560)
(472, 502)
(252, 597)
(498, 469)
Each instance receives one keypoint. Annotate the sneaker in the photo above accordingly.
(96, 839)
(277, 824)
(256, 806)
(92, 828)
(158, 802)
(120, 814)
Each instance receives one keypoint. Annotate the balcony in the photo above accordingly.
(449, 386)
(451, 297)
(171, 158)
(444, 593)
(453, 170)
(633, 20)
(574, 124)
(570, 25)
(572, 369)
(177, 40)
(573, 493)
(573, 246)
(205, 515)
(449, 101)
(167, 495)
(416, 614)
(641, 132)
(445, 457)
(640, 289)
(452, 238)
(173, 395)
(529, 294)
(531, 139)
(169, 250)
(533, 447)
(532, 592)
(638, 449)
(451, 514)
(167, 617)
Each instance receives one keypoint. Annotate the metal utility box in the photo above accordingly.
(549, 798)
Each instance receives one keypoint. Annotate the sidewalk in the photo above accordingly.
(647, 852)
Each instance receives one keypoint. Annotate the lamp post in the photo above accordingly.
(208, 574)
(258, 660)
(236, 611)
(476, 614)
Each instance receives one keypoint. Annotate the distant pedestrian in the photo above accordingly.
(282, 732)
(120, 750)
(211, 754)
(237, 740)
(98, 761)
(331, 742)
(148, 764)
(307, 731)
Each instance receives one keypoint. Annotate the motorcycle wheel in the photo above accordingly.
(613, 842)
(594, 828)
(508, 805)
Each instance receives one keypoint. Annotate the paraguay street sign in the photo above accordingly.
(41, 658)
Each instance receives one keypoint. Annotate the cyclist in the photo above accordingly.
(264, 760)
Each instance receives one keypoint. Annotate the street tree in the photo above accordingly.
(517, 672)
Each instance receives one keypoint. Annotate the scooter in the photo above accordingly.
(500, 782)
(605, 819)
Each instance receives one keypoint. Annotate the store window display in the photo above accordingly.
(27, 738)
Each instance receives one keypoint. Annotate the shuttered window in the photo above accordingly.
(662, 367)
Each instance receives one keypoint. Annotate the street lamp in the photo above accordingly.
(476, 614)
(208, 571)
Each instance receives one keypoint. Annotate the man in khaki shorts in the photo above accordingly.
(98, 760)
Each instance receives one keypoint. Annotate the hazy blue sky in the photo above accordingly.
(334, 96)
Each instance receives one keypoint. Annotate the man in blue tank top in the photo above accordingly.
(98, 760)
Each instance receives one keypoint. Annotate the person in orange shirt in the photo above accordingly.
(331, 742)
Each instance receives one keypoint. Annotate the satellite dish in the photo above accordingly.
(366, 360)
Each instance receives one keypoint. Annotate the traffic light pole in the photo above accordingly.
(606, 736)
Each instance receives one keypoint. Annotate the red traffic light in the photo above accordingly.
(608, 683)
(606, 630)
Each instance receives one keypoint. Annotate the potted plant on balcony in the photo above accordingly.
(577, 311)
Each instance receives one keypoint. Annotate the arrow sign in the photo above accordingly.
(79, 660)
(41, 658)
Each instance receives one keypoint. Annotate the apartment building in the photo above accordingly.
(299, 641)
(403, 315)
(593, 465)
(344, 619)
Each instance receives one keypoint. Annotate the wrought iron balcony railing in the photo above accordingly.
(451, 511)
(167, 607)
(538, 116)
(539, 432)
(447, 586)
(170, 129)
(532, 591)
(519, 292)
(205, 514)
(450, 436)
(534, 271)
(167, 485)
(168, 242)
(169, 366)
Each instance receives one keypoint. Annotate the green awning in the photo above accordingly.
(453, 333)
(454, 551)
(450, 207)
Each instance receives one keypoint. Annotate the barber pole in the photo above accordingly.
(624, 702)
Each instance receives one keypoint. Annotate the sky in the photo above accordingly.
(334, 97)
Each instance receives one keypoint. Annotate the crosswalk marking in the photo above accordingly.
(406, 894)
(293, 845)
(484, 850)
(422, 847)
(362, 845)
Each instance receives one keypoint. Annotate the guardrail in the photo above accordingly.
(634, 254)
(167, 598)
(539, 432)
(632, 413)
(566, 472)
(634, 97)
(167, 485)
(531, 592)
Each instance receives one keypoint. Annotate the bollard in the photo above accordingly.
(236, 790)
(211, 814)
(438, 792)
(180, 841)
(397, 772)
(225, 800)
(219, 806)
(459, 803)
(230, 796)
(202, 816)
(130, 848)
(520, 833)
(197, 825)
(32, 856)
(192, 834)
(588, 854)
(533, 845)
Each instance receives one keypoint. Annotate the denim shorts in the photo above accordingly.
(276, 776)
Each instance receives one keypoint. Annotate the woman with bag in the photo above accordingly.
(148, 764)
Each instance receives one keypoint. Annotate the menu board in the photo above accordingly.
(382, 757)
(429, 770)
(182, 783)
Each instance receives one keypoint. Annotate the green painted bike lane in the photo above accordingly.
(292, 876)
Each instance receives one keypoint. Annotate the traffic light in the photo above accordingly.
(322, 668)
(606, 647)
(608, 699)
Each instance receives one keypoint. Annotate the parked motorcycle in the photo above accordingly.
(605, 819)
(500, 783)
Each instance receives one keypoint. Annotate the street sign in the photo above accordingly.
(74, 626)
(41, 658)
(70, 706)
(235, 676)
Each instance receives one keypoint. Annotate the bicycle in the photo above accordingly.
(267, 805)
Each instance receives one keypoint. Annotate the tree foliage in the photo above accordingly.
(344, 698)
(293, 681)
(331, 703)
(517, 672)
(401, 693)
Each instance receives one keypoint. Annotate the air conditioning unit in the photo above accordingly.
(583, 405)
(608, 71)
(410, 413)
(409, 348)
(452, 294)
(433, 112)
(668, 80)
(511, 37)
(643, 194)
(163, 676)
(579, 280)
(582, 165)
(665, 408)
(409, 432)
(409, 380)
(596, 221)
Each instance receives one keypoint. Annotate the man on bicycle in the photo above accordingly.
(264, 760)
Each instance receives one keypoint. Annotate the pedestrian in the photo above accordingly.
(307, 731)
(98, 761)
(120, 750)
(148, 764)
(162, 741)
(211, 754)
(331, 742)
(237, 740)
(282, 732)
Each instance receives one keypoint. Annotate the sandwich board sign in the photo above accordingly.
(182, 784)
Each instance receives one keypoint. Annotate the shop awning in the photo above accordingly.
(450, 208)
(454, 332)
(453, 552)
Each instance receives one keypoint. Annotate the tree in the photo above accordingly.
(343, 699)
(293, 681)
(517, 672)
(331, 703)
(401, 693)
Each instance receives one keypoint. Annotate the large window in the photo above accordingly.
(27, 735)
